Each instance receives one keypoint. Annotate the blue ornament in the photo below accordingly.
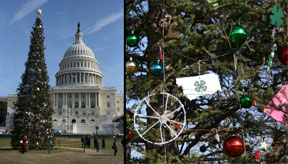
(251, 135)
(156, 69)
(203, 148)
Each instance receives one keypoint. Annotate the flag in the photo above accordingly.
(199, 85)
(276, 108)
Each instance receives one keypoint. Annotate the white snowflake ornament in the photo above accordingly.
(165, 118)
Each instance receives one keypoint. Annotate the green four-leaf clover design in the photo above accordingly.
(200, 86)
(276, 18)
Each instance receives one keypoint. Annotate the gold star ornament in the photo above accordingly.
(264, 145)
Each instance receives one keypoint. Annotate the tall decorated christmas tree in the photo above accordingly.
(206, 80)
(33, 117)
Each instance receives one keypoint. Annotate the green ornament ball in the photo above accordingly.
(156, 69)
(246, 102)
(238, 35)
(132, 40)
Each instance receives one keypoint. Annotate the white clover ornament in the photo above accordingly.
(169, 115)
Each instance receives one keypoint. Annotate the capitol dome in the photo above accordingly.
(79, 65)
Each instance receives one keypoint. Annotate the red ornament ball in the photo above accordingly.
(283, 55)
(233, 146)
(130, 135)
(177, 126)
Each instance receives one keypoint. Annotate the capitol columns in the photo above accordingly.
(86, 101)
(80, 103)
(113, 101)
(72, 100)
(91, 78)
(56, 100)
(98, 99)
(66, 103)
(89, 99)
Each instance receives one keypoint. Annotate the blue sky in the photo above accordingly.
(101, 24)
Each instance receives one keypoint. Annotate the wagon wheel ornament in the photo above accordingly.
(170, 118)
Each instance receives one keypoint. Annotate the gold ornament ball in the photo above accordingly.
(131, 66)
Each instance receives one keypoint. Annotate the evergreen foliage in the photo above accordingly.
(33, 116)
(200, 30)
(3, 112)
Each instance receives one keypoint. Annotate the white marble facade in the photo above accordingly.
(79, 101)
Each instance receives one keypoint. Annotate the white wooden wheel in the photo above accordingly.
(170, 115)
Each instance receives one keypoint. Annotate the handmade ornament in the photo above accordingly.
(130, 135)
(203, 148)
(283, 55)
(132, 39)
(156, 69)
(131, 66)
(264, 145)
(277, 16)
(161, 119)
(160, 54)
(199, 85)
(275, 107)
(254, 102)
(251, 135)
(238, 35)
(166, 21)
(217, 137)
(246, 102)
(262, 157)
(177, 126)
(272, 54)
(233, 146)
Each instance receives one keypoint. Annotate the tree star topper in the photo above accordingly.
(39, 11)
(276, 18)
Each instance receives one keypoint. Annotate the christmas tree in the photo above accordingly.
(33, 117)
(232, 39)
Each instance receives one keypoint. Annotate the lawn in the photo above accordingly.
(66, 151)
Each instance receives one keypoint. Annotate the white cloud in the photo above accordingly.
(27, 8)
(105, 21)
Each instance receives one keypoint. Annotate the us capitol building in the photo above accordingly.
(79, 101)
